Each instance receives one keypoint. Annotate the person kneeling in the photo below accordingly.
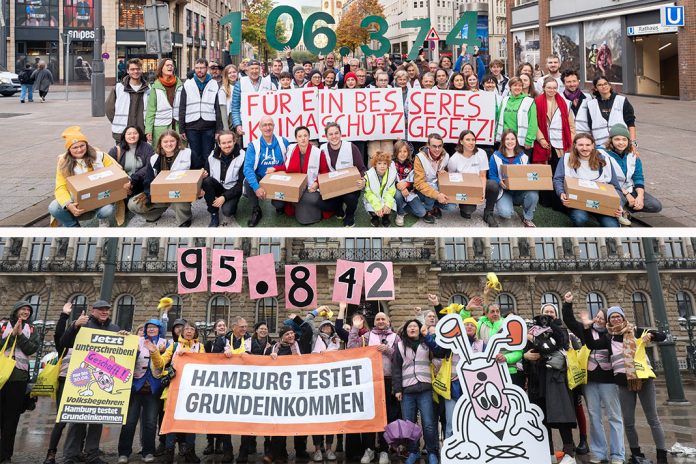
(380, 189)
(223, 186)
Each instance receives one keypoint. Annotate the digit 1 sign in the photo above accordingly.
(262, 277)
(192, 270)
(300, 286)
(348, 282)
(234, 19)
(379, 280)
(227, 271)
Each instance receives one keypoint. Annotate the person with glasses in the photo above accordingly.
(431, 160)
(608, 109)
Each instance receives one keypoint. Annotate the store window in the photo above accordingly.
(78, 14)
(131, 14)
(36, 13)
(35, 51)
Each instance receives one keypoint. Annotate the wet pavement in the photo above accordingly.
(678, 421)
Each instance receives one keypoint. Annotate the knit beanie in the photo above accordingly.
(619, 130)
(73, 135)
(470, 320)
(296, 69)
(349, 75)
(615, 310)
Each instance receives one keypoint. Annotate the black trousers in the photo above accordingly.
(350, 200)
(213, 189)
(492, 189)
(11, 408)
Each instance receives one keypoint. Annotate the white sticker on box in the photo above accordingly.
(590, 184)
(174, 194)
(85, 196)
(104, 195)
(455, 177)
(533, 176)
(334, 174)
(280, 177)
(279, 195)
(572, 196)
(100, 175)
(461, 197)
(175, 175)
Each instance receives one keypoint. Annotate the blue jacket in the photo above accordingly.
(271, 156)
(236, 107)
(154, 382)
(638, 177)
(498, 158)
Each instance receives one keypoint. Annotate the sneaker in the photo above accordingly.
(123, 460)
(412, 458)
(330, 455)
(386, 222)
(528, 223)
(375, 221)
(214, 222)
(384, 458)
(367, 457)
(20, 101)
(437, 212)
(43, 99)
(400, 220)
(624, 220)
(317, 456)
(340, 214)
(599, 461)
(348, 222)
(428, 218)
(255, 218)
(616, 461)
(567, 459)
(149, 458)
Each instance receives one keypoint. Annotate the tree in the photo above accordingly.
(254, 30)
(300, 56)
(348, 32)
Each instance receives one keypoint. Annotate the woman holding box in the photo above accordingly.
(79, 158)
(380, 189)
(585, 162)
(468, 159)
(169, 156)
(510, 153)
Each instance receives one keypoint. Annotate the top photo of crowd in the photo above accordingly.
(357, 137)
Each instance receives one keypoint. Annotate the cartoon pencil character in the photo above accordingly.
(103, 380)
(493, 420)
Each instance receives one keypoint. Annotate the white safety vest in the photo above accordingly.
(625, 178)
(224, 99)
(231, 177)
(294, 85)
(598, 176)
(200, 106)
(556, 128)
(522, 119)
(345, 156)
(120, 122)
(315, 155)
(268, 84)
(181, 163)
(257, 150)
(430, 174)
(416, 84)
(165, 112)
(375, 185)
(600, 126)
(81, 168)
(245, 84)
(582, 124)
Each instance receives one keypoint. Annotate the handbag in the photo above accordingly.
(47, 381)
(7, 363)
(167, 377)
(640, 360)
(442, 381)
(577, 366)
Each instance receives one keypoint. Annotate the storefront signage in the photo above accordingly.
(672, 16)
(81, 35)
(650, 29)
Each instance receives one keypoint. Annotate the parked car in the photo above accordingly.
(9, 83)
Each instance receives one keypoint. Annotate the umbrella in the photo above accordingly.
(401, 432)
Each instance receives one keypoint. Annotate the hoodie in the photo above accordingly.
(27, 343)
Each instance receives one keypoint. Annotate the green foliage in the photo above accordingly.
(254, 30)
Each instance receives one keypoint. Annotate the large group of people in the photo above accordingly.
(411, 358)
(185, 126)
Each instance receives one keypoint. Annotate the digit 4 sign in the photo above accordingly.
(348, 282)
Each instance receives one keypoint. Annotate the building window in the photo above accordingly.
(270, 245)
(2, 248)
(545, 248)
(506, 302)
(35, 302)
(589, 248)
(40, 248)
(267, 311)
(501, 248)
(632, 248)
(131, 250)
(172, 245)
(223, 243)
(363, 249)
(218, 308)
(131, 14)
(458, 298)
(86, 250)
(674, 248)
(550, 298)
(595, 302)
(79, 306)
(125, 307)
(455, 248)
(175, 312)
(685, 304)
(642, 309)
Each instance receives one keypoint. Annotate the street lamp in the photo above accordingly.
(689, 324)
(205, 327)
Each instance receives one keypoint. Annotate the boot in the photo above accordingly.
(169, 456)
(489, 218)
(255, 218)
(161, 449)
(190, 456)
(50, 457)
(214, 220)
(243, 454)
(582, 448)
(661, 456)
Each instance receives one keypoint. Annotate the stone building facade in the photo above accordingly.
(600, 271)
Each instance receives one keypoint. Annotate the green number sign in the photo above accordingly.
(466, 24)
(271, 22)
(424, 25)
(378, 35)
(310, 35)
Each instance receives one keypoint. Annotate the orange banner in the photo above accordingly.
(315, 394)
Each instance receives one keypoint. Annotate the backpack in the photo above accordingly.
(25, 76)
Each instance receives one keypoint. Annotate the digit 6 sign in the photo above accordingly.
(192, 270)
(300, 286)
(262, 277)
(379, 280)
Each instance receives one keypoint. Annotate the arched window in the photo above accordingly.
(642, 309)
(506, 302)
(595, 302)
(175, 312)
(458, 298)
(79, 305)
(550, 298)
(35, 301)
(125, 307)
(685, 305)
(267, 311)
(218, 308)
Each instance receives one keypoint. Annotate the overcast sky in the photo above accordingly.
(298, 3)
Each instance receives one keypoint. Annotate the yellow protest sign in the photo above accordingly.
(100, 374)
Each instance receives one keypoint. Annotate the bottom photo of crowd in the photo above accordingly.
(385, 350)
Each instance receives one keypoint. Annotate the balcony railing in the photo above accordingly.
(560, 265)
(94, 266)
(365, 254)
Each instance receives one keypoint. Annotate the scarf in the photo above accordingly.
(170, 87)
(599, 329)
(201, 85)
(294, 347)
(573, 96)
(540, 155)
(294, 165)
(626, 330)
(411, 343)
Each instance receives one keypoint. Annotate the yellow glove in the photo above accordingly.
(454, 308)
(493, 282)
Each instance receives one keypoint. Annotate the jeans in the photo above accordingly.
(413, 403)
(600, 396)
(201, 143)
(527, 198)
(89, 434)
(449, 416)
(143, 407)
(27, 92)
(580, 218)
(430, 203)
(650, 205)
(66, 218)
(647, 401)
(190, 439)
(415, 206)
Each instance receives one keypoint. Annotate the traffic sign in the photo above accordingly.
(158, 36)
(432, 35)
(672, 16)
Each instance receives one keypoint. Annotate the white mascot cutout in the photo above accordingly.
(493, 420)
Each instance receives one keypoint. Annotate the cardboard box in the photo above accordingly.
(284, 186)
(527, 176)
(595, 197)
(336, 183)
(462, 189)
(98, 188)
(176, 186)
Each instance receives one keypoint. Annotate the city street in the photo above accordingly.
(32, 142)
(679, 423)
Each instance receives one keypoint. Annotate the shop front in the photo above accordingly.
(36, 34)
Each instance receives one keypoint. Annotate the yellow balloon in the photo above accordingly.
(493, 282)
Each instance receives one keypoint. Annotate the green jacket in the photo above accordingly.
(510, 118)
(490, 329)
(388, 194)
(152, 104)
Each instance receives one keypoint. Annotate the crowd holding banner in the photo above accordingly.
(485, 378)
(238, 126)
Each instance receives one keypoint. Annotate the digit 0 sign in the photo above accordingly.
(300, 286)
(261, 276)
(227, 271)
(379, 280)
(348, 282)
(192, 270)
